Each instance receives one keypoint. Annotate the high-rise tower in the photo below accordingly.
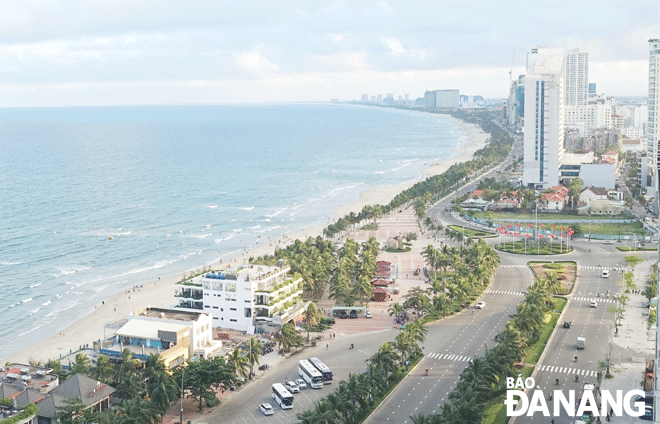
(544, 118)
(577, 78)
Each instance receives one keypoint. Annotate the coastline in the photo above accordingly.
(160, 293)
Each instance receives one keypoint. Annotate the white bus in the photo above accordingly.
(310, 374)
(325, 371)
(282, 396)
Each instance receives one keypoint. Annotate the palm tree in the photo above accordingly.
(253, 353)
(384, 361)
(103, 369)
(237, 362)
(82, 364)
(136, 411)
(312, 317)
(163, 390)
(289, 337)
(417, 331)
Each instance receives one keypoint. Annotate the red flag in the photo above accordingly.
(527, 235)
(516, 234)
(517, 224)
(540, 235)
(541, 225)
(563, 235)
(553, 236)
(529, 225)
(508, 225)
(563, 228)
(506, 232)
(553, 225)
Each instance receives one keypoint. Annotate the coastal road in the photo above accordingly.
(453, 342)
(594, 324)
(241, 407)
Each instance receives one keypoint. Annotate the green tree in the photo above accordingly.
(82, 364)
(103, 369)
(73, 412)
(237, 362)
(312, 317)
(253, 352)
(289, 337)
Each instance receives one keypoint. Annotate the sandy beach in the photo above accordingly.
(160, 293)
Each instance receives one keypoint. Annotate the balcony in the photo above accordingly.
(190, 294)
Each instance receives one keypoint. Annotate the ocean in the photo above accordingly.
(96, 200)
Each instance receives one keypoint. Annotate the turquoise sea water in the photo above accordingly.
(176, 188)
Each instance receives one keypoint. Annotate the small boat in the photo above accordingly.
(111, 238)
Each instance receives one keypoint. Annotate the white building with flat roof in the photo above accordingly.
(544, 118)
(238, 295)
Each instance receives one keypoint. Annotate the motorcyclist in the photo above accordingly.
(351, 346)
(426, 372)
(575, 358)
(557, 382)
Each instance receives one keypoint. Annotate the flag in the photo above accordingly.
(529, 225)
(517, 224)
(563, 234)
(553, 236)
(540, 235)
(553, 225)
(541, 225)
(527, 235)
(516, 234)
(508, 225)
(563, 228)
(506, 232)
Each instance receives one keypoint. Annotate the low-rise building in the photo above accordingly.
(174, 334)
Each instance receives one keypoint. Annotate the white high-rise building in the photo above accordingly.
(577, 78)
(544, 118)
(653, 133)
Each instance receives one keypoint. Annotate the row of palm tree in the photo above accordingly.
(312, 259)
(483, 379)
(438, 185)
(356, 266)
(356, 397)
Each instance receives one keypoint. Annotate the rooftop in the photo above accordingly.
(164, 313)
(145, 329)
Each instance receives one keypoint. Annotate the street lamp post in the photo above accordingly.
(182, 372)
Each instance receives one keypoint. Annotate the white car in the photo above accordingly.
(368, 314)
(266, 409)
(480, 304)
(292, 387)
(608, 242)
(301, 383)
(593, 304)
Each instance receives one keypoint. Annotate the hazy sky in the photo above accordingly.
(177, 52)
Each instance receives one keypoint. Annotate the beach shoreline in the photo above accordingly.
(160, 293)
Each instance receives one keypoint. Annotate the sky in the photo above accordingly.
(144, 52)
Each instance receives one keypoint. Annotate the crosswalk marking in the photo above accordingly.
(513, 266)
(595, 299)
(514, 293)
(449, 357)
(565, 370)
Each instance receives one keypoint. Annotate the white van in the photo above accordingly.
(605, 273)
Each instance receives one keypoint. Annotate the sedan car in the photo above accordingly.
(301, 383)
(593, 304)
(480, 304)
(608, 242)
(353, 313)
(292, 387)
(266, 409)
(368, 314)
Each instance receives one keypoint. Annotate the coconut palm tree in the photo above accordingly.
(312, 317)
(82, 364)
(253, 352)
(384, 361)
(103, 369)
(237, 362)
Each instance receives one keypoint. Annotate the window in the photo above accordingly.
(215, 307)
(232, 309)
(232, 320)
(230, 287)
(206, 306)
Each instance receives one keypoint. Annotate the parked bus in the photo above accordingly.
(310, 374)
(282, 396)
(325, 371)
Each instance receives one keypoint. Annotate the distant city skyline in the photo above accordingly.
(55, 53)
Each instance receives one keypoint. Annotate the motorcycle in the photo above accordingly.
(426, 372)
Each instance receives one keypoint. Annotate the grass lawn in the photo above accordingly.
(622, 229)
(566, 272)
(468, 232)
(519, 248)
(529, 216)
(638, 249)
